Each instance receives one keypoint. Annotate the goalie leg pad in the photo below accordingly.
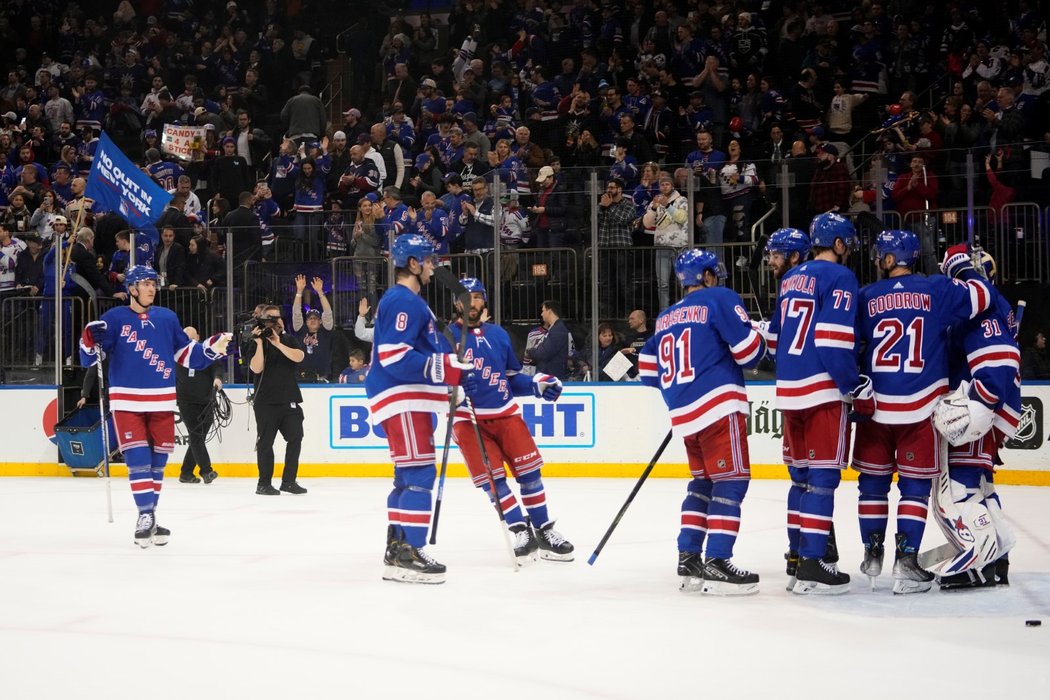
(963, 517)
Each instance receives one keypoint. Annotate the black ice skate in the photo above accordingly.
(525, 544)
(412, 565)
(393, 543)
(1002, 571)
(723, 577)
(908, 576)
(144, 529)
(791, 568)
(831, 550)
(818, 577)
(874, 551)
(160, 535)
(554, 547)
(691, 569)
(969, 580)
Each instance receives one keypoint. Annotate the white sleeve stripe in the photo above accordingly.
(834, 328)
(844, 344)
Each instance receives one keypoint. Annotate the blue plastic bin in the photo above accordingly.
(79, 438)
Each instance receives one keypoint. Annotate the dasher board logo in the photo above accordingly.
(568, 422)
(1029, 435)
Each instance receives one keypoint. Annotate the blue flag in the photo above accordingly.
(118, 185)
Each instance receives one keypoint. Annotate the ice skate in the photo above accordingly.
(818, 577)
(970, 579)
(791, 568)
(160, 535)
(1002, 571)
(908, 576)
(144, 529)
(723, 577)
(393, 543)
(412, 565)
(691, 569)
(874, 551)
(831, 550)
(525, 544)
(554, 547)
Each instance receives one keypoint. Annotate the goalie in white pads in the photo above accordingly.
(976, 419)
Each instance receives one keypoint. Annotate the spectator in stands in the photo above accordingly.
(552, 355)
(204, 269)
(315, 333)
(29, 269)
(638, 332)
(230, 174)
(667, 221)
(739, 178)
(309, 206)
(85, 262)
(18, 218)
(243, 223)
(252, 144)
(169, 260)
(357, 368)
(11, 249)
(616, 217)
(304, 116)
(551, 212)
(609, 344)
(174, 217)
(392, 155)
(1035, 362)
(831, 184)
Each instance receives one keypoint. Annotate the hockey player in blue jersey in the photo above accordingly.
(411, 372)
(903, 319)
(816, 378)
(695, 358)
(982, 413)
(143, 344)
(786, 249)
(507, 440)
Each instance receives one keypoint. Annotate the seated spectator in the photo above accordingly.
(363, 330)
(357, 370)
(1035, 362)
(609, 344)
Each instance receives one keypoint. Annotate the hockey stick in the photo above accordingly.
(105, 429)
(630, 498)
(1018, 315)
(484, 456)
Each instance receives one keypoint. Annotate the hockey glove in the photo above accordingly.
(215, 346)
(963, 416)
(546, 386)
(863, 400)
(445, 368)
(957, 261)
(94, 335)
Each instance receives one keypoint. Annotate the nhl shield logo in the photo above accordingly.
(1029, 435)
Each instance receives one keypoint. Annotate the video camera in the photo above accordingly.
(267, 326)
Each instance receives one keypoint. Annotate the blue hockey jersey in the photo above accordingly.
(406, 336)
(435, 230)
(983, 350)
(498, 372)
(695, 357)
(904, 321)
(143, 350)
(165, 173)
(813, 335)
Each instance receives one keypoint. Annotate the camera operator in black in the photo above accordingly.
(195, 392)
(274, 363)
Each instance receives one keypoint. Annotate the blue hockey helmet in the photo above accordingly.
(825, 228)
(473, 284)
(410, 245)
(902, 245)
(691, 265)
(788, 241)
(137, 273)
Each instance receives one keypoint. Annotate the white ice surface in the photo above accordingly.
(281, 597)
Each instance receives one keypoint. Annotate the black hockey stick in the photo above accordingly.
(105, 427)
(448, 280)
(630, 498)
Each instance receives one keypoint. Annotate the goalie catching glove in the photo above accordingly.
(546, 386)
(962, 416)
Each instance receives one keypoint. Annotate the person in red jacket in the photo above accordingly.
(916, 191)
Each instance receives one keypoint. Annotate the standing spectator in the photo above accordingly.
(365, 243)
(11, 249)
(309, 207)
(551, 212)
(477, 220)
(304, 116)
(230, 174)
(315, 333)
(840, 112)
(916, 191)
(204, 269)
(29, 269)
(667, 221)
(552, 355)
(738, 177)
(243, 223)
(252, 144)
(392, 154)
(831, 185)
(616, 215)
(169, 260)
(195, 391)
(267, 210)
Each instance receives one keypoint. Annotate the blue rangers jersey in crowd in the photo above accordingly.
(396, 220)
(545, 97)
(140, 379)
(267, 210)
(165, 173)
(406, 337)
(498, 372)
(90, 109)
(904, 321)
(813, 336)
(983, 350)
(435, 230)
(695, 356)
(453, 204)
